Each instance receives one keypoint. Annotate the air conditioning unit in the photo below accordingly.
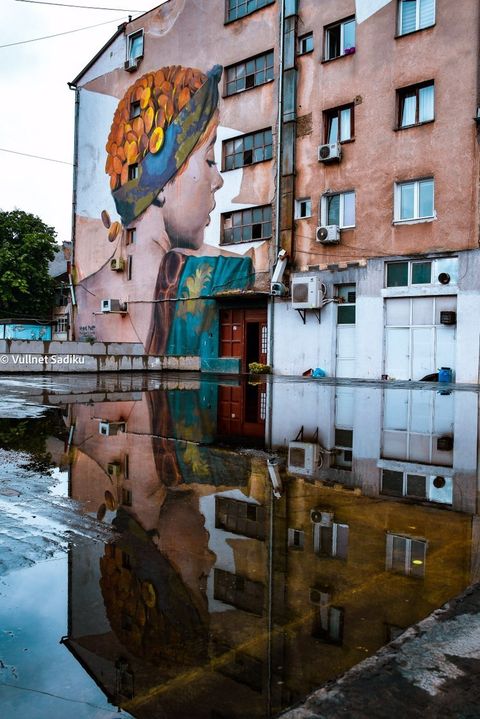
(110, 429)
(131, 64)
(319, 597)
(307, 292)
(113, 306)
(330, 153)
(117, 265)
(303, 457)
(114, 469)
(278, 289)
(324, 519)
(447, 317)
(445, 443)
(328, 235)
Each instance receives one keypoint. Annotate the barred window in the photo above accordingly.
(61, 324)
(239, 8)
(247, 225)
(250, 73)
(247, 149)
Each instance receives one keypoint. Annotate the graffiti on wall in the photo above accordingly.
(163, 180)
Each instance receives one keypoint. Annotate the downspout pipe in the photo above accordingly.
(76, 89)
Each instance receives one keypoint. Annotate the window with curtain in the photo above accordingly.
(338, 124)
(339, 209)
(415, 15)
(416, 104)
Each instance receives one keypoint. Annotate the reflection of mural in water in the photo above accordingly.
(163, 177)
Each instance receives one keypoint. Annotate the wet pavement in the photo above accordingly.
(182, 547)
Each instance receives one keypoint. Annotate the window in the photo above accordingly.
(328, 621)
(133, 171)
(129, 267)
(239, 8)
(331, 541)
(247, 225)
(406, 555)
(135, 109)
(338, 124)
(339, 209)
(414, 200)
(416, 486)
(239, 517)
(61, 324)
(415, 15)
(126, 497)
(250, 73)
(303, 208)
(340, 39)
(296, 539)
(441, 271)
(305, 43)
(131, 236)
(416, 104)
(238, 591)
(247, 149)
(344, 437)
(135, 46)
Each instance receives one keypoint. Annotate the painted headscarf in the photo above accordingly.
(148, 143)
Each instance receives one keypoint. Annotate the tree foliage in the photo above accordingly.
(26, 247)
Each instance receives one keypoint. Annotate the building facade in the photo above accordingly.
(345, 134)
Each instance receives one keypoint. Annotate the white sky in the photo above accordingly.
(38, 107)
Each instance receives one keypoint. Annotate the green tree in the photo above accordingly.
(26, 247)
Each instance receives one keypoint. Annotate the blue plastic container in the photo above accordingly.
(445, 374)
(318, 372)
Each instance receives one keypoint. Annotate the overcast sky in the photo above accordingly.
(38, 107)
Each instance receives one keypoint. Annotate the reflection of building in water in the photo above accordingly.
(217, 600)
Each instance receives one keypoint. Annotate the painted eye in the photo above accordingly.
(211, 163)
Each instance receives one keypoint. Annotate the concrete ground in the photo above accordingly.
(431, 671)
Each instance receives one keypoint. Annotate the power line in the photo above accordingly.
(66, 32)
(37, 157)
(80, 7)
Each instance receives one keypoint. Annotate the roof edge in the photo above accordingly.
(119, 31)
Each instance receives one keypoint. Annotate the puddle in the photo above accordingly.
(219, 550)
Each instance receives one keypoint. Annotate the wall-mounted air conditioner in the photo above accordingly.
(447, 317)
(110, 429)
(131, 64)
(307, 292)
(321, 517)
(117, 264)
(113, 306)
(330, 153)
(303, 457)
(328, 235)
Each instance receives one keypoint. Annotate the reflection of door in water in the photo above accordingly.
(243, 334)
(241, 410)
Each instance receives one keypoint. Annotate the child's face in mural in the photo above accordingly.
(189, 198)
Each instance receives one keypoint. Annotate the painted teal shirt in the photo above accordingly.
(195, 327)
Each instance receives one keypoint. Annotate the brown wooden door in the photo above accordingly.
(243, 333)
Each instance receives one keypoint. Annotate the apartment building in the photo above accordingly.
(343, 132)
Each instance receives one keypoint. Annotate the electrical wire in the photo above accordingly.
(58, 34)
(36, 157)
(79, 7)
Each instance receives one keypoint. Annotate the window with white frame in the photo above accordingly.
(303, 208)
(305, 43)
(135, 46)
(416, 104)
(340, 39)
(414, 200)
(296, 538)
(415, 15)
(440, 271)
(338, 124)
(338, 209)
(331, 541)
(405, 555)
(328, 621)
(61, 324)
(416, 486)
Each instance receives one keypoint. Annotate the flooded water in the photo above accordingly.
(182, 548)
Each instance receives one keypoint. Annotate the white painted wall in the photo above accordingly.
(112, 59)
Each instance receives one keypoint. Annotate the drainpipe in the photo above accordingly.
(74, 200)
